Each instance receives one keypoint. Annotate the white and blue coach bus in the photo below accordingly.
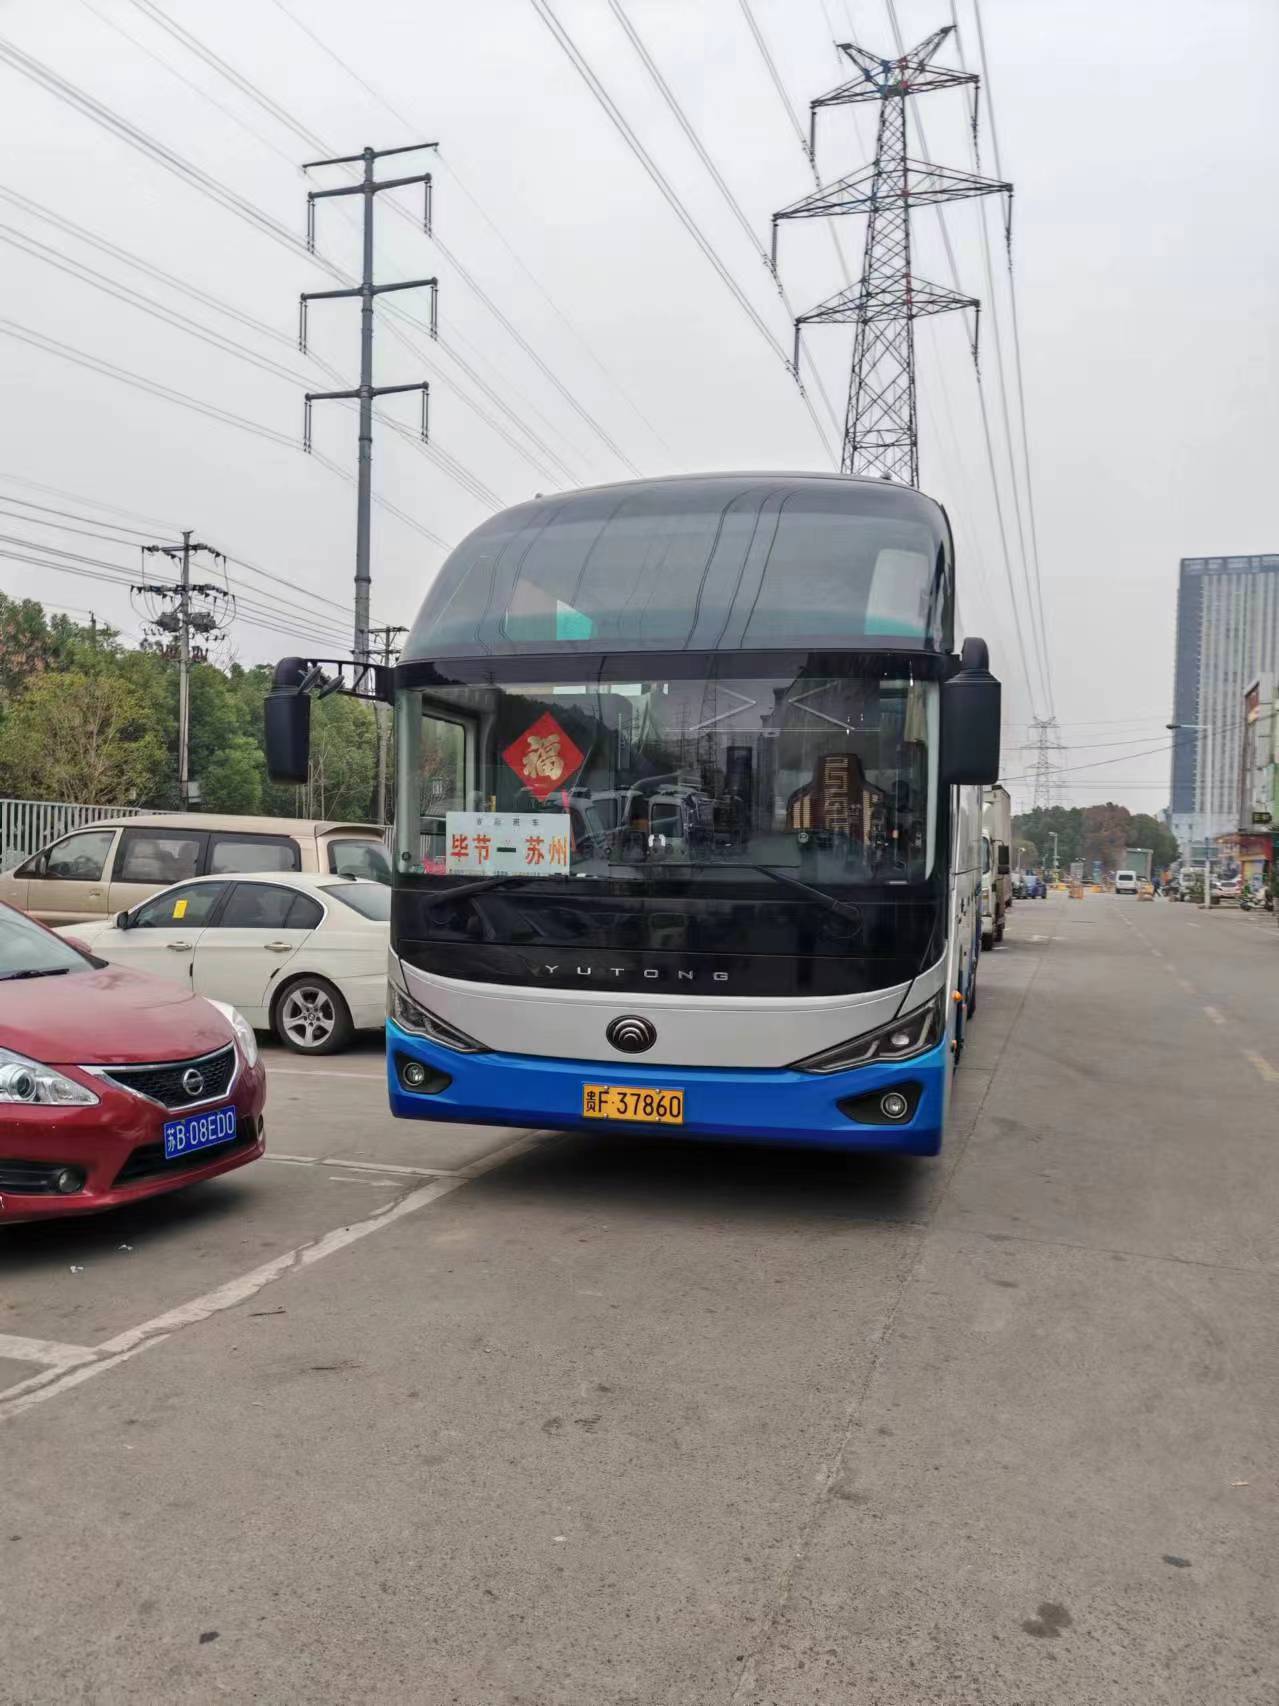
(687, 825)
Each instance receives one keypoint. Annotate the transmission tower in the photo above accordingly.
(1044, 749)
(176, 615)
(881, 435)
(368, 188)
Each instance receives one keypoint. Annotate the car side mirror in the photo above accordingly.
(970, 712)
(122, 920)
(288, 724)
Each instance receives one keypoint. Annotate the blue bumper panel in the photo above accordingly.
(775, 1106)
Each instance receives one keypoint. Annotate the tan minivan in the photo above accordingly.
(107, 867)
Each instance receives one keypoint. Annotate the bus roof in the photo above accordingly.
(706, 562)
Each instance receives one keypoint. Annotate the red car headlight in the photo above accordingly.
(27, 1081)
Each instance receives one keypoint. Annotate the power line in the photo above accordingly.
(988, 440)
(231, 201)
(24, 334)
(79, 498)
(282, 116)
(1030, 559)
(672, 199)
(716, 176)
(1015, 321)
(400, 119)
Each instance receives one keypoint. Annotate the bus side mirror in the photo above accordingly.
(288, 724)
(970, 710)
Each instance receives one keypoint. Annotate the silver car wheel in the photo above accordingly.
(307, 1016)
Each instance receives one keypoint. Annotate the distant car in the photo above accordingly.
(1126, 882)
(1020, 889)
(113, 1086)
(301, 955)
(1226, 888)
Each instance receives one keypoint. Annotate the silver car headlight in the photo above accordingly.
(912, 1034)
(23, 1080)
(244, 1032)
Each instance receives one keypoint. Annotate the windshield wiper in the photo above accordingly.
(50, 971)
(484, 884)
(829, 901)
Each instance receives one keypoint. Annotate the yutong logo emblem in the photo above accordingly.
(192, 1082)
(650, 974)
(631, 1035)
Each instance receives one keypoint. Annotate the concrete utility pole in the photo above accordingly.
(367, 188)
(387, 640)
(180, 622)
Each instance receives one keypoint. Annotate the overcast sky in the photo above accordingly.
(1139, 134)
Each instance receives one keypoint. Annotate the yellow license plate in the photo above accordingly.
(646, 1107)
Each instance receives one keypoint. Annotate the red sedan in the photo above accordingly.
(113, 1085)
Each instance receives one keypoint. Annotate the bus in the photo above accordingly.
(687, 833)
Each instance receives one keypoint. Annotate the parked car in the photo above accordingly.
(301, 955)
(1226, 888)
(113, 1085)
(1126, 882)
(1020, 891)
(105, 867)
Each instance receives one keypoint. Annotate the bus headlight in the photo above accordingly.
(409, 1016)
(912, 1034)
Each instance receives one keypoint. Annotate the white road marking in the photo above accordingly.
(1216, 1017)
(16, 1400)
(1188, 987)
(1158, 953)
(322, 1072)
(365, 1166)
(1263, 1066)
(354, 1179)
(46, 1351)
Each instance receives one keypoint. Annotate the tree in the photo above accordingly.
(89, 738)
(1040, 825)
(1106, 832)
(1147, 831)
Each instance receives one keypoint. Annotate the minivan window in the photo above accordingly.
(79, 858)
(360, 859)
(159, 856)
(253, 853)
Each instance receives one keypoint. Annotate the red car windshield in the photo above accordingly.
(27, 949)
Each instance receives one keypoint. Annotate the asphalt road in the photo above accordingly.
(569, 1422)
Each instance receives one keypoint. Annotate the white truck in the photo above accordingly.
(996, 863)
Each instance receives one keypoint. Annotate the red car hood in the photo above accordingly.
(110, 1017)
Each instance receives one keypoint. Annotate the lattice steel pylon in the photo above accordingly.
(1043, 747)
(881, 434)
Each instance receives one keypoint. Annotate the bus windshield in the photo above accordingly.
(826, 775)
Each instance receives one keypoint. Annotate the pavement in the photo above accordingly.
(465, 1415)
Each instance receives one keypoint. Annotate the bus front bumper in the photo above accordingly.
(781, 1106)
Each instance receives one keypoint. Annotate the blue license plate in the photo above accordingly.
(198, 1131)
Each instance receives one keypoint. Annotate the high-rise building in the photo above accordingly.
(1227, 636)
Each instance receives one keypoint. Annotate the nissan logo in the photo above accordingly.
(192, 1082)
(631, 1035)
